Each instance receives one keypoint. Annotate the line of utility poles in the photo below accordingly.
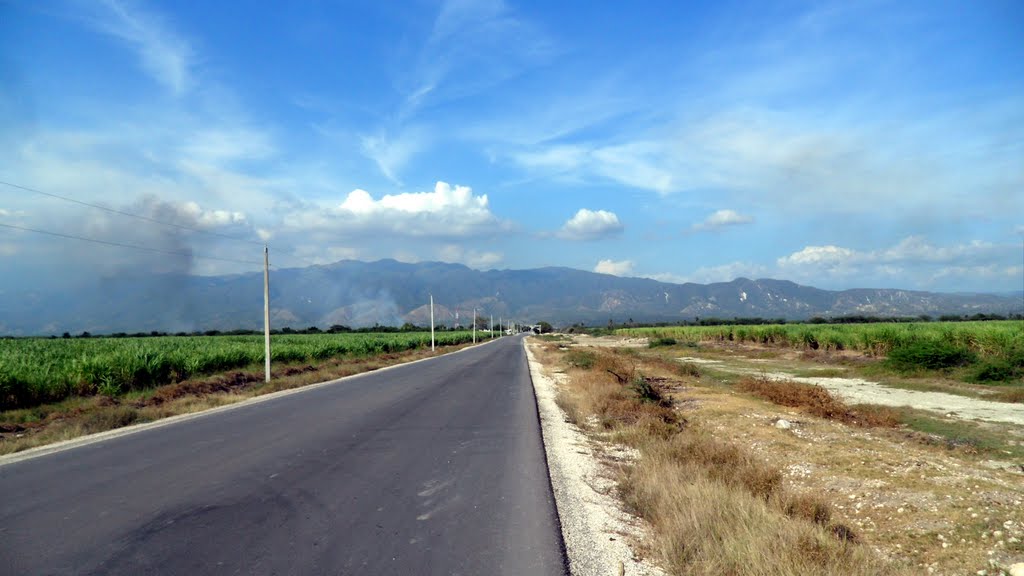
(266, 316)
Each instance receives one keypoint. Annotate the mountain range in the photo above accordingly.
(388, 292)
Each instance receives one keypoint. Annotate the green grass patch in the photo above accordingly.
(959, 434)
(582, 359)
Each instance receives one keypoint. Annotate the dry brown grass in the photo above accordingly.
(1016, 395)
(714, 506)
(703, 526)
(817, 401)
(75, 417)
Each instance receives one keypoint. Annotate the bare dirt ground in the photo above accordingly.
(860, 391)
(928, 507)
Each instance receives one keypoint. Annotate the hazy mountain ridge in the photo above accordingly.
(387, 292)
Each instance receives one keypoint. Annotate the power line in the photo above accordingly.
(131, 215)
(132, 246)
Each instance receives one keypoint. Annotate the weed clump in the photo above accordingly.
(662, 341)
(582, 359)
(646, 391)
(817, 401)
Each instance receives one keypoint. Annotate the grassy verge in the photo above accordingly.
(715, 507)
(25, 428)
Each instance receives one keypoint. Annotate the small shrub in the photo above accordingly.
(929, 354)
(807, 506)
(995, 371)
(687, 369)
(648, 392)
(581, 359)
(663, 341)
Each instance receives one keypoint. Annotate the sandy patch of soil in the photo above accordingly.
(860, 391)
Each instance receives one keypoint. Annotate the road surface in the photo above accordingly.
(430, 468)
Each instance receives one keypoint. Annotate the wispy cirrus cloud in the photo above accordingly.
(391, 152)
(164, 54)
(473, 46)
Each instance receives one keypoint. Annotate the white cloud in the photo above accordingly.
(721, 219)
(591, 225)
(211, 218)
(911, 260)
(721, 273)
(443, 213)
(471, 258)
(164, 55)
(819, 255)
(615, 268)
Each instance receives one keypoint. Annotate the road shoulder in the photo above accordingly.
(597, 532)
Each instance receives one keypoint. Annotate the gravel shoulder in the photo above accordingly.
(597, 532)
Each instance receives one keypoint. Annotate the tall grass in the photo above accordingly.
(39, 370)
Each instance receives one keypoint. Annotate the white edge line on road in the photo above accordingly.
(127, 430)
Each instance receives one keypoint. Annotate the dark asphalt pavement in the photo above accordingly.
(431, 468)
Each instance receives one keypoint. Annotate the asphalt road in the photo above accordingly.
(430, 468)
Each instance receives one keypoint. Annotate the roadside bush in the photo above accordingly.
(648, 392)
(581, 359)
(996, 371)
(929, 354)
(663, 341)
(1005, 369)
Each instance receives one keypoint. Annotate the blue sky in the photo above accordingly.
(836, 144)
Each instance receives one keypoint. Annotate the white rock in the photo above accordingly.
(1017, 569)
(783, 424)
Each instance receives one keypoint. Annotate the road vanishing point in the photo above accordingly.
(435, 467)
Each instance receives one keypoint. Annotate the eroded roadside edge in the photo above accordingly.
(596, 530)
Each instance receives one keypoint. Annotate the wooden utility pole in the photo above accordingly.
(266, 309)
(431, 322)
(474, 325)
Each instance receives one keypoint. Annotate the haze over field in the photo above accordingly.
(834, 144)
